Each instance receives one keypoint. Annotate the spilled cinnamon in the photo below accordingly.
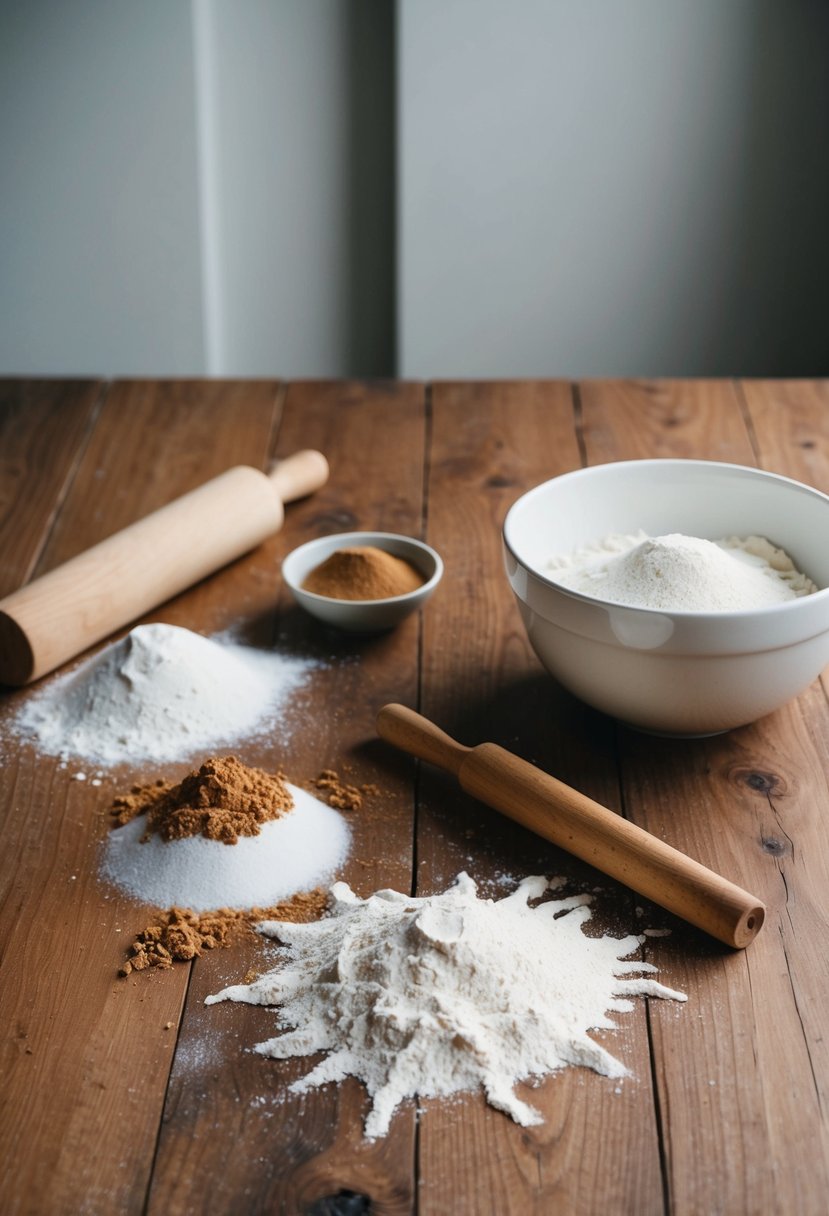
(342, 794)
(178, 935)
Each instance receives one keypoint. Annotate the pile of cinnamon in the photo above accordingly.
(363, 572)
(223, 800)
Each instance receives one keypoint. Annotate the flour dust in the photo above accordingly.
(162, 693)
(448, 993)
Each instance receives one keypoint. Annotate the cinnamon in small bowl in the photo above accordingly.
(362, 581)
(363, 572)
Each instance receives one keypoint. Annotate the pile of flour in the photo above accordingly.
(162, 693)
(447, 993)
(296, 852)
(683, 573)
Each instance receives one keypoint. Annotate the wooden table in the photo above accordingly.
(132, 1096)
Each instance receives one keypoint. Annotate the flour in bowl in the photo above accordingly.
(677, 573)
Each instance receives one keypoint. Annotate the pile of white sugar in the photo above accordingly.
(162, 693)
(295, 852)
(683, 573)
(447, 993)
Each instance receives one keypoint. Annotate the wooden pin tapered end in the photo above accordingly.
(411, 732)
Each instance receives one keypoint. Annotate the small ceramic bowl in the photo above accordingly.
(362, 616)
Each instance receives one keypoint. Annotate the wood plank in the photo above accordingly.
(789, 420)
(740, 1076)
(43, 427)
(87, 1056)
(737, 1071)
(288, 1153)
(598, 1147)
(790, 427)
(662, 419)
(155, 441)
(790, 424)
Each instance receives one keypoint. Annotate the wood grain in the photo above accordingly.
(737, 1083)
(87, 1056)
(280, 1152)
(598, 1148)
(790, 425)
(43, 427)
(132, 1096)
(664, 419)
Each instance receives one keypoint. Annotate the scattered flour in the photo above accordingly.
(683, 573)
(447, 993)
(296, 852)
(161, 693)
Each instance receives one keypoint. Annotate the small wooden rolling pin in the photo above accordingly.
(583, 827)
(57, 616)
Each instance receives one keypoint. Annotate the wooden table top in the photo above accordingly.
(131, 1095)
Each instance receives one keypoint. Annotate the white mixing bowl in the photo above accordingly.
(677, 673)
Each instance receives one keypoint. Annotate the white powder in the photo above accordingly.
(162, 693)
(296, 852)
(448, 993)
(683, 573)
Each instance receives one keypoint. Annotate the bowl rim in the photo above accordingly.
(732, 615)
(364, 537)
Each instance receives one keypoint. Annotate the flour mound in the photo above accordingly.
(683, 573)
(447, 993)
(162, 693)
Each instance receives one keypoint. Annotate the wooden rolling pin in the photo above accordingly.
(583, 827)
(60, 614)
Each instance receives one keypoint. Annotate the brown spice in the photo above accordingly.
(363, 572)
(340, 793)
(223, 800)
(180, 935)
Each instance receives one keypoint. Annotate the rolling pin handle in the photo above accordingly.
(299, 474)
(411, 732)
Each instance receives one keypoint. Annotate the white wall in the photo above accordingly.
(585, 187)
(277, 125)
(196, 186)
(290, 115)
(618, 187)
(99, 237)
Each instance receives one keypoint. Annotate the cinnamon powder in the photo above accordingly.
(341, 794)
(180, 935)
(222, 800)
(363, 572)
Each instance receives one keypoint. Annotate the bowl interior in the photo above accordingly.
(698, 498)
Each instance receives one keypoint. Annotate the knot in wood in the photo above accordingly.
(759, 781)
(763, 783)
(344, 1203)
(773, 846)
